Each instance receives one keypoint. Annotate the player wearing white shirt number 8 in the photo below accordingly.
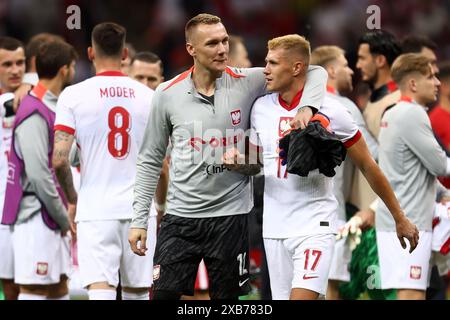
(299, 221)
(106, 115)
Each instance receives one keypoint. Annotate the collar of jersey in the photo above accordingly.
(111, 73)
(294, 102)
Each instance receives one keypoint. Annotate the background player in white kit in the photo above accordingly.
(412, 159)
(12, 69)
(332, 58)
(299, 222)
(106, 115)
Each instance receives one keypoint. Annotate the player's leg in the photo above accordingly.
(99, 254)
(60, 290)
(37, 258)
(408, 294)
(177, 255)
(227, 256)
(280, 267)
(339, 270)
(401, 270)
(10, 289)
(312, 259)
(136, 272)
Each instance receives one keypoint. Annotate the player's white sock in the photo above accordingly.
(102, 294)
(64, 297)
(143, 295)
(30, 296)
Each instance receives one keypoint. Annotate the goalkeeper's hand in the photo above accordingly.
(351, 232)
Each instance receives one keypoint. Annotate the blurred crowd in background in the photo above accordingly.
(158, 25)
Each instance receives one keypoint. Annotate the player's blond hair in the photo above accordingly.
(324, 55)
(202, 18)
(409, 63)
(294, 43)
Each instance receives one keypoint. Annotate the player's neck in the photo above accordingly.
(444, 102)
(204, 80)
(290, 92)
(384, 76)
(53, 85)
(331, 86)
(413, 96)
(107, 65)
(6, 89)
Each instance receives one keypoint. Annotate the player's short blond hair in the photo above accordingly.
(202, 18)
(409, 63)
(324, 55)
(294, 43)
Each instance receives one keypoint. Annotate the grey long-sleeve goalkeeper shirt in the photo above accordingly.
(200, 131)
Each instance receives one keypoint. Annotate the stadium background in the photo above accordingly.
(158, 25)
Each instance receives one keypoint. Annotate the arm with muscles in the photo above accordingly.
(35, 157)
(312, 98)
(148, 169)
(361, 157)
(60, 161)
(161, 190)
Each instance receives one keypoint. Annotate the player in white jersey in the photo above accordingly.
(106, 114)
(299, 222)
(412, 158)
(332, 58)
(12, 69)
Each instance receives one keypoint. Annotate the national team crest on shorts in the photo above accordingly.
(235, 117)
(415, 272)
(42, 268)
(156, 272)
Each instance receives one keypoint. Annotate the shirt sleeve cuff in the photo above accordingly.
(66, 129)
(353, 140)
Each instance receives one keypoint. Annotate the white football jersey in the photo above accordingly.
(294, 205)
(107, 114)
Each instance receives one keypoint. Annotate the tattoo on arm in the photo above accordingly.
(65, 179)
(62, 136)
(63, 143)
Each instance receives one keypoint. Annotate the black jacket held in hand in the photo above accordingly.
(312, 148)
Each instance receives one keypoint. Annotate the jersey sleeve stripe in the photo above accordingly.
(181, 77)
(66, 129)
(353, 140)
(233, 74)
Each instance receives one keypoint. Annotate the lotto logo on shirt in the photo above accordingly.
(235, 117)
(415, 272)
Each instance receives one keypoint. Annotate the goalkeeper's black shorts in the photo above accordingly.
(221, 241)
